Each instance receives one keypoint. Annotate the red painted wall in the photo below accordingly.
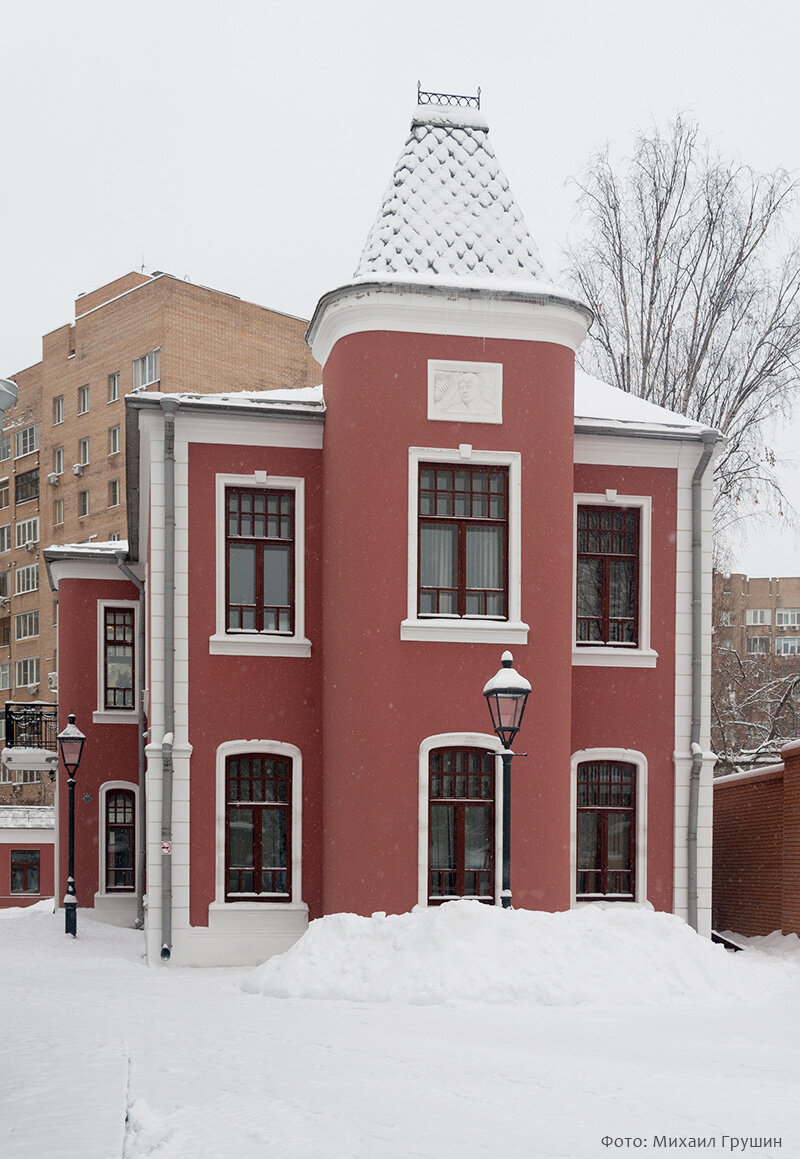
(7, 898)
(635, 707)
(383, 696)
(111, 750)
(250, 697)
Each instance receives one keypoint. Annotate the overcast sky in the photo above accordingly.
(247, 144)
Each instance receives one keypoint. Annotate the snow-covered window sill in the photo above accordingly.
(247, 645)
(465, 631)
(115, 716)
(614, 658)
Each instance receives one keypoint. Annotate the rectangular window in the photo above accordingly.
(114, 440)
(5, 497)
(757, 644)
(113, 493)
(83, 452)
(26, 625)
(83, 400)
(260, 560)
(258, 815)
(58, 410)
(5, 632)
(726, 619)
(26, 672)
(787, 618)
(608, 576)
(27, 531)
(788, 646)
(58, 512)
(113, 386)
(5, 583)
(26, 579)
(120, 841)
(606, 829)
(758, 616)
(461, 825)
(146, 369)
(5, 537)
(114, 537)
(26, 441)
(118, 658)
(24, 870)
(463, 541)
(5, 676)
(83, 503)
(58, 460)
(5, 447)
(26, 486)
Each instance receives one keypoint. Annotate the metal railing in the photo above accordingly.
(425, 98)
(31, 726)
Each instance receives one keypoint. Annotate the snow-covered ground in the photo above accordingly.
(458, 1032)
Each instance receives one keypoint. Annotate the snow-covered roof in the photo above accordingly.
(304, 399)
(27, 816)
(89, 548)
(600, 405)
(449, 217)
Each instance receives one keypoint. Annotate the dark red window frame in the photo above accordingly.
(258, 790)
(261, 516)
(463, 497)
(460, 780)
(120, 820)
(119, 632)
(25, 865)
(606, 791)
(607, 535)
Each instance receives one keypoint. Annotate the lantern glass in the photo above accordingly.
(71, 741)
(506, 710)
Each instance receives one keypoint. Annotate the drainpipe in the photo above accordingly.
(141, 858)
(169, 407)
(710, 438)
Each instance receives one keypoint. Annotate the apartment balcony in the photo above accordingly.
(31, 735)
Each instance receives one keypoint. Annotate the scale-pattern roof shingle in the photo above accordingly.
(448, 214)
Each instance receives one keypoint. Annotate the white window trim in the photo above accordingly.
(443, 740)
(467, 629)
(114, 439)
(103, 715)
(271, 748)
(607, 655)
(27, 660)
(751, 622)
(262, 643)
(17, 436)
(631, 757)
(106, 788)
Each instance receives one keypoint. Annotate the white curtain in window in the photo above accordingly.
(484, 557)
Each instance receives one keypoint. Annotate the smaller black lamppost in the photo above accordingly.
(507, 694)
(71, 744)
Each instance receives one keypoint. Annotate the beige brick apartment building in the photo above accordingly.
(757, 616)
(62, 449)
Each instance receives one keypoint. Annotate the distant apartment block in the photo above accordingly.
(758, 615)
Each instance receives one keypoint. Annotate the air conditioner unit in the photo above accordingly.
(31, 545)
(77, 469)
(52, 478)
(33, 689)
(4, 600)
(52, 682)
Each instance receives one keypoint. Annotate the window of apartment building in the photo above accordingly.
(26, 625)
(26, 441)
(114, 442)
(5, 497)
(5, 675)
(787, 618)
(607, 575)
(461, 824)
(758, 616)
(114, 537)
(113, 493)
(120, 824)
(260, 560)
(463, 538)
(757, 644)
(146, 369)
(83, 452)
(258, 827)
(83, 503)
(118, 658)
(58, 410)
(83, 400)
(5, 632)
(5, 584)
(27, 531)
(5, 537)
(24, 870)
(58, 460)
(726, 619)
(58, 512)
(5, 447)
(26, 486)
(606, 829)
(788, 646)
(26, 672)
(26, 579)
(113, 386)
(28, 776)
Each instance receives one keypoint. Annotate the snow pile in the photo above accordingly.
(464, 952)
(600, 401)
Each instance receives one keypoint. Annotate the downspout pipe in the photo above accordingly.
(710, 439)
(169, 406)
(141, 858)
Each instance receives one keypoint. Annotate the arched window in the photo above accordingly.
(606, 829)
(461, 824)
(258, 827)
(120, 841)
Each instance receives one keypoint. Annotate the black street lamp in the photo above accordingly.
(507, 694)
(71, 742)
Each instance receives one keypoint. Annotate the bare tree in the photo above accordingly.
(755, 708)
(696, 309)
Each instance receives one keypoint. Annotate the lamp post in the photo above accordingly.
(71, 742)
(507, 694)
